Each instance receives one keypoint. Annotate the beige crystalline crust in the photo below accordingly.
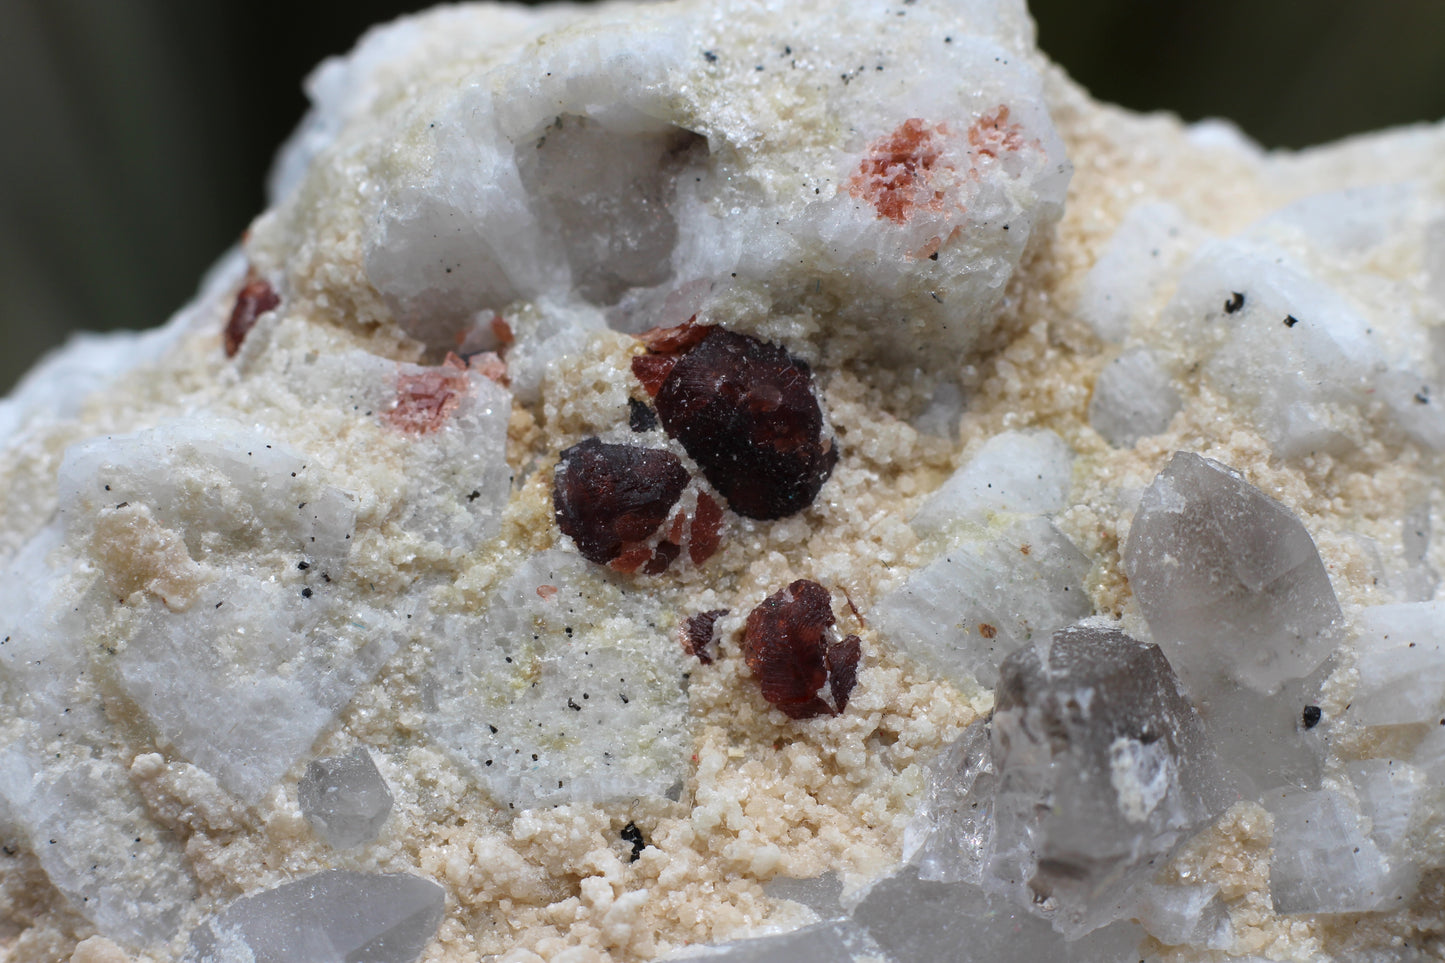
(766, 797)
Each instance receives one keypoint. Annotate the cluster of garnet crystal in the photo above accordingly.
(746, 412)
(743, 409)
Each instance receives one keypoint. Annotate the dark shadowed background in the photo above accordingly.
(135, 134)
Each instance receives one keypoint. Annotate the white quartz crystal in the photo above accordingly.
(1112, 452)
(1401, 664)
(985, 596)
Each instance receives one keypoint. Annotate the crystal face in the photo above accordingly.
(1103, 768)
(1229, 579)
(338, 916)
(345, 798)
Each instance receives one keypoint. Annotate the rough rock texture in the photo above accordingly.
(1015, 359)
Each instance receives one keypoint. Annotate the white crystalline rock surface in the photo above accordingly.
(482, 194)
(1401, 664)
(1014, 473)
(985, 597)
(1322, 861)
(1133, 397)
(532, 697)
(124, 874)
(315, 510)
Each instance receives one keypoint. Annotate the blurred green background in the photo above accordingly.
(137, 133)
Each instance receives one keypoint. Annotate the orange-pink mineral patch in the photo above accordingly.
(897, 176)
(992, 134)
(426, 399)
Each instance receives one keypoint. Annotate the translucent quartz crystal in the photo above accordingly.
(1137, 264)
(1229, 580)
(830, 942)
(984, 597)
(1400, 664)
(1133, 397)
(90, 833)
(1322, 861)
(1103, 767)
(336, 916)
(557, 693)
(1013, 473)
(1263, 739)
(949, 838)
(821, 894)
(1183, 914)
(917, 921)
(345, 798)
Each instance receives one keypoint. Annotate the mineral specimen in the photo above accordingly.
(601, 380)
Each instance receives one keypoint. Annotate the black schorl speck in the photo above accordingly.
(633, 837)
(303, 566)
(709, 56)
(1311, 716)
(639, 416)
(306, 593)
(1422, 397)
(1235, 302)
(1290, 320)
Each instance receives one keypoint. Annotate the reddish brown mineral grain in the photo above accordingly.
(609, 499)
(992, 134)
(896, 176)
(677, 339)
(652, 370)
(706, 529)
(697, 634)
(787, 645)
(255, 298)
(426, 399)
(842, 659)
(746, 412)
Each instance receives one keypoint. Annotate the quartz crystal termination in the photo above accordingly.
(338, 916)
(1103, 769)
(1229, 580)
(345, 798)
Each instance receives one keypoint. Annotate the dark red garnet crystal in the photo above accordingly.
(611, 498)
(746, 412)
(789, 646)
